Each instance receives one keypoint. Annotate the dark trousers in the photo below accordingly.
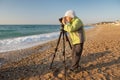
(76, 55)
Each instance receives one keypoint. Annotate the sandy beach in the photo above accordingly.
(100, 59)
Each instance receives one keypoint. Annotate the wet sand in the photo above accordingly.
(100, 59)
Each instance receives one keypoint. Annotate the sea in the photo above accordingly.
(15, 37)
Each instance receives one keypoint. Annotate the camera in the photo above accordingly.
(60, 19)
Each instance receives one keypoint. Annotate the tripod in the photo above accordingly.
(64, 34)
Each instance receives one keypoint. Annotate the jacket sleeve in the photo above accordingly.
(74, 26)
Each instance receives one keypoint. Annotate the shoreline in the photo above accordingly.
(26, 41)
(100, 59)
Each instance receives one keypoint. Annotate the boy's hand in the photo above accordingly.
(64, 20)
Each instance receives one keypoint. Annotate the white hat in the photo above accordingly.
(70, 13)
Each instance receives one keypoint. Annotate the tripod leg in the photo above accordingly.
(68, 40)
(64, 53)
(56, 49)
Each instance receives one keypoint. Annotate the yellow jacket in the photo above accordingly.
(76, 31)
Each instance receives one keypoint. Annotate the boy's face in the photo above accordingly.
(68, 19)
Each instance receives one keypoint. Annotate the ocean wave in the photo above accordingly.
(27, 41)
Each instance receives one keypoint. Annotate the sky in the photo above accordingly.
(49, 11)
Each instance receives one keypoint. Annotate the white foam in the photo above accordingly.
(25, 42)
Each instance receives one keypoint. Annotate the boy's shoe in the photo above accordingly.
(78, 69)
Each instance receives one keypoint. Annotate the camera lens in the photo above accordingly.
(60, 19)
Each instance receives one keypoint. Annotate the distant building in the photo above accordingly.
(109, 22)
(117, 22)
